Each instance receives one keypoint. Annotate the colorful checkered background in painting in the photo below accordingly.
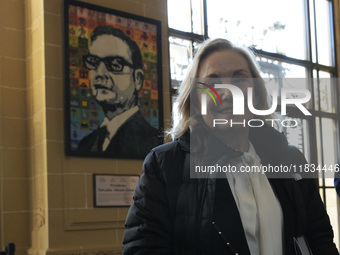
(85, 113)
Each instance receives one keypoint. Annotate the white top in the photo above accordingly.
(260, 210)
(114, 124)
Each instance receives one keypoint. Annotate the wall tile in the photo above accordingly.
(54, 93)
(125, 6)
(13, 72)
(159, 5)
(89, 190)
(55, 124)
(78, 240)
(13, 45)
(55, 157)
(89, 165)
(14, 133)
(16, 226)
(53, 64)
(129, 166)
(29, 99)
(119, 235)
(55, 191)
(156, 14)
(54, 6)
(15, 191)
(1, 41)
(13, 102)
(14, 163)
(76, 187)
(9, 20)
(53, 31)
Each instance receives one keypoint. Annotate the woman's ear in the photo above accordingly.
(139, 77)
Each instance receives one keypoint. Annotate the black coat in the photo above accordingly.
(175, 214)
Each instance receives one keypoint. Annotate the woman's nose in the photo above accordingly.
(225, 94)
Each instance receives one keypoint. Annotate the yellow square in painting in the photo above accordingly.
(84, 83)
(73, 41)
(84, 103)
(147, 85)
(154, 94)
(72, 31)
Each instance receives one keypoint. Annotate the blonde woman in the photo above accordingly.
(248, 213)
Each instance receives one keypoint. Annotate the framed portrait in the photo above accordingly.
(113, 82)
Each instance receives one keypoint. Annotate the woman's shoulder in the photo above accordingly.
(166, 161)
(182, 143)
(296, 155)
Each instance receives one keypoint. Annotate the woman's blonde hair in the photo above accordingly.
(182, 100)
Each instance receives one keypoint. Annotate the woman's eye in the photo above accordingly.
(240, 81)
(213, 82)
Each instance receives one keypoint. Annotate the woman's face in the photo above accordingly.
(226, 67)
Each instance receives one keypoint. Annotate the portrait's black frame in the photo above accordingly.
(67, 87)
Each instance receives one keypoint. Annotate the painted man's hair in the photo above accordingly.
(110, 30)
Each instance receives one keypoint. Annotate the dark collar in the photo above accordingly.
(268, 142)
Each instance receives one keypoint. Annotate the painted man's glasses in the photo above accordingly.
(113, 64)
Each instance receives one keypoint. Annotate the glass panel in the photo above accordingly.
(329, 149)
(179, 15)
(279, 75)
(331, 207)
(298, 136)
(269, 28)
(326, 92)
(312, 30)
(318, 148)
(316, 90)
(197, 17)
(180, 56)
(323, 31)
(305, 132)
(276, 69)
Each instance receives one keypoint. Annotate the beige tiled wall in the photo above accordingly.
(46, 198)
(14, 174)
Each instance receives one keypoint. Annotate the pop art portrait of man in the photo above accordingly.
(112, 99)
